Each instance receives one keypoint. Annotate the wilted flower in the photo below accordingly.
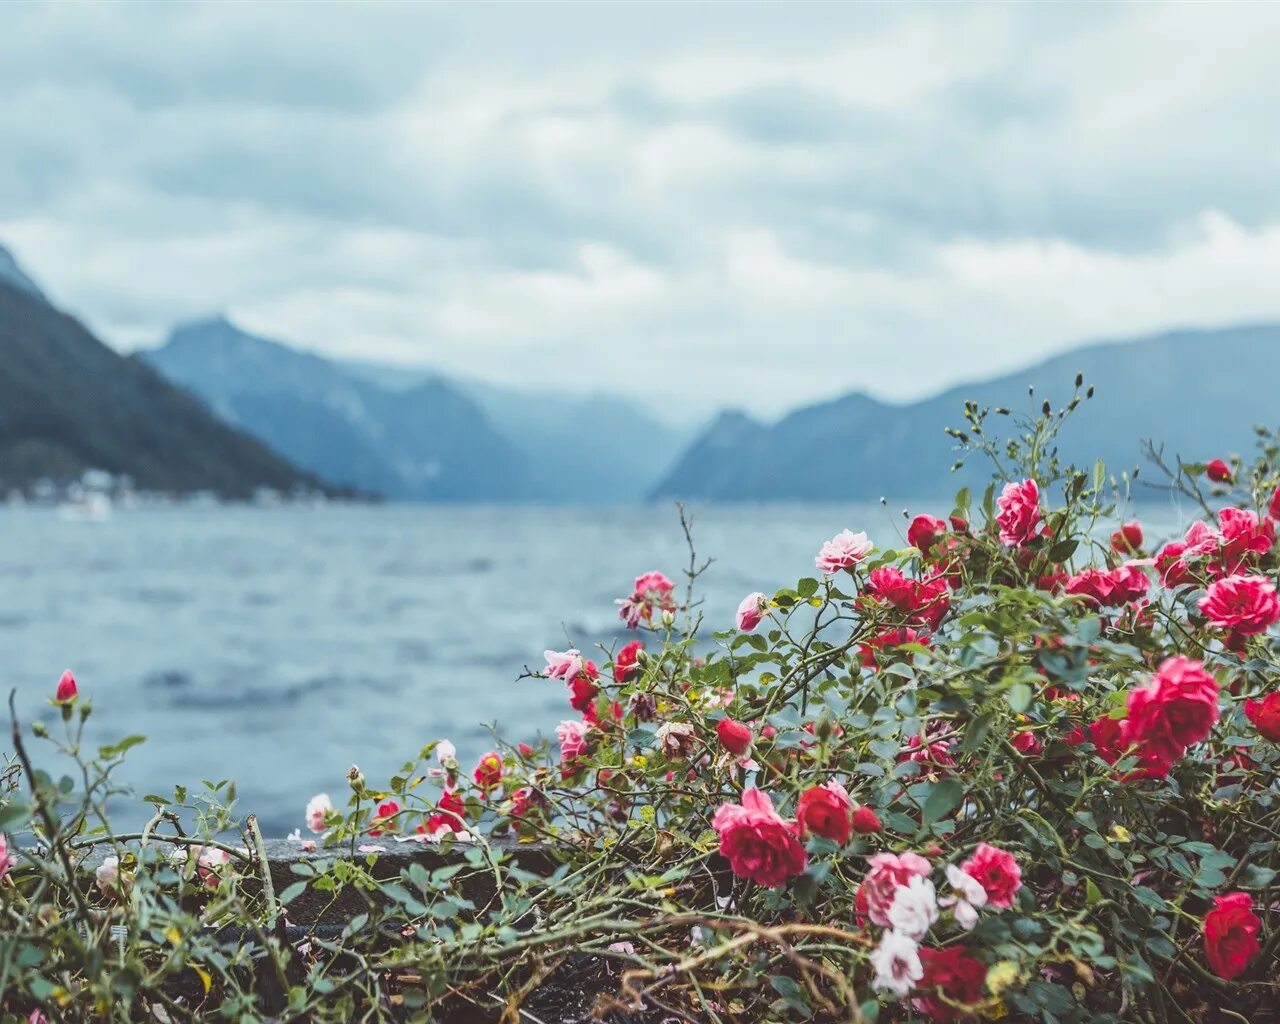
(675, 739)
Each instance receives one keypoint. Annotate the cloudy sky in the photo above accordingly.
(755, 205)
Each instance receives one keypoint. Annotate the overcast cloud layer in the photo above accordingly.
(745, 205)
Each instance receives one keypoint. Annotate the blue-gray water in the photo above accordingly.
(277, 646)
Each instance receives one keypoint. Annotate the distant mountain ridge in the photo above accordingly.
(424, 442)
(68, 403)
(12, 274)
(1199, 392)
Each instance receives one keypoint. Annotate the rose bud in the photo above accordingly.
(865, 821)
(1218, 471)
(734, 736)
(1127, 539)
(67, 689)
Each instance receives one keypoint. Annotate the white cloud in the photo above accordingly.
(754, 210)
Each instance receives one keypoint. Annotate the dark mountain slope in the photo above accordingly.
(69, 403)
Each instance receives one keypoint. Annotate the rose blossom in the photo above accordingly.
(997, 872)
(626, 663)
(573, 739)
(67, 690)
(969, 898)
(1273, 506)
(1231, 934)
(734, 736)
(1019, 514)
(652, 592)
(447, 818)
(108, 876)
(384, 818)
(563, 664)
(886, 873)
(843, 551)
(826, 811)
(1244, 535)
(1243, 605)
(319, 807)
(865, 821)
(488, 770)
(1176, 709)
(959, 976)
(897, 964)
(890, 585)
(924, 532)
(757, 843)
(1265, 715)
(751, 611)
(914, 908)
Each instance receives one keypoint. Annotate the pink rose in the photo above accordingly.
(757, 843)
(1176, 709)
(889, 585)
(1110, 587)
(843, 551)
(1242, 605)
(652, 592)
(1019, 514)
(319, 807)
(751, 611)
(1127, 539)
(563, 664)
(997, 872)
(886, 872)
(573, 739)
(1244, 535)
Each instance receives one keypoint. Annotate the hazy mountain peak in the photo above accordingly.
(13, 274)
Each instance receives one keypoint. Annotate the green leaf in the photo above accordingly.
(1019, 697)
(293, 892)
(943, 798)
(806, 588)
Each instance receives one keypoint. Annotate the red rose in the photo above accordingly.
(439, 822)
(1217, 471)
(826, 811)
(488, 770)
(583, 689)
(1019, 514)
(865, 821)
(930, 602)
(997, 872)
(1171, 566)
(1231, 934)
(1243, 605)
(891, 586)
(757, 843)
(924, 531)
(626, 663)
(878, 650)
(384, 817)
(1128, 539)
(1273, 506)
(956, 975)
(1265, 715)
(1027, 743)
(1173, 711)
(734, 736)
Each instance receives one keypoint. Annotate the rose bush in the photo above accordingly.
(1018, 764)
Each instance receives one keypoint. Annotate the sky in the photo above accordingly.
(700, 205)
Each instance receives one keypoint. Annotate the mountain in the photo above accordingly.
(14, 276)
(578, 447)
(69, 403)
(1199, 393)
(426, 442)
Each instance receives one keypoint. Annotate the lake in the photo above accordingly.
(277, 646)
